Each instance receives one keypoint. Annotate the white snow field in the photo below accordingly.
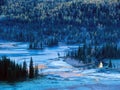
(59, 75)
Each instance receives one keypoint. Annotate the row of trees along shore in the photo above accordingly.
(85, 53)
(11, 71)
(40, 45)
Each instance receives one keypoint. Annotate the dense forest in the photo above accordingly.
(11, 71)
(68, 21)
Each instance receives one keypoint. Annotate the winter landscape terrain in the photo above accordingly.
(59, 44)
(58, 74)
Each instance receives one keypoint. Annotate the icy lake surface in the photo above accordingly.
(59, 74)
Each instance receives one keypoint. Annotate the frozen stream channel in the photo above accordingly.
(60, 75)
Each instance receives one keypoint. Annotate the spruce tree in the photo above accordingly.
(25, 72)
(110, 64)
(31, 69)
(10, 71)
(30, 45)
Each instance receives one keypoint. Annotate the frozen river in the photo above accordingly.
(60, 75)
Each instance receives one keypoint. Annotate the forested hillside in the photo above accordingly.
(70, 21)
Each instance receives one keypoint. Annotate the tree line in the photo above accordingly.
(111, 51)
(85, 53)
(11, 71)
(43, 43)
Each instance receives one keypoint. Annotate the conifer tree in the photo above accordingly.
(31, 69)
(25, 72)
(110, 64)
(10, 71)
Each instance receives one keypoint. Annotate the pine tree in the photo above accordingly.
(31, 69)
(110, 64)
(30, 46)
(25, 73)
(10, 71)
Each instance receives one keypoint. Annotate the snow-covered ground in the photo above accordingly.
(59, 74)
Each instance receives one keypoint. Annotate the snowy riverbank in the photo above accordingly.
(60, 74)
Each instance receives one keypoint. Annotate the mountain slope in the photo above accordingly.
(63, 19)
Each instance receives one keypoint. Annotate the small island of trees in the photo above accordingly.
(11, 71)
(44, 43)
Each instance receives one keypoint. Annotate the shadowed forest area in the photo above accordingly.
(11, 71)
(50, 22)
